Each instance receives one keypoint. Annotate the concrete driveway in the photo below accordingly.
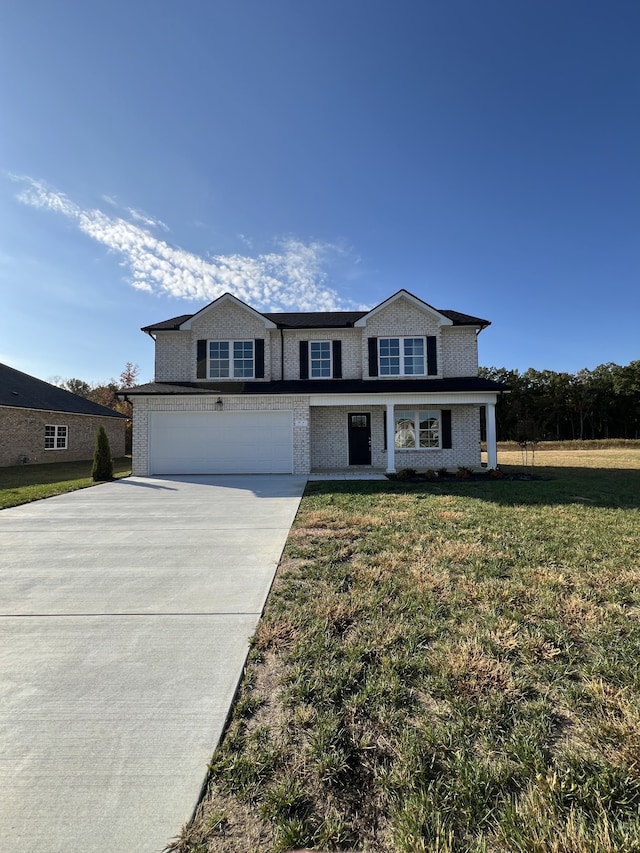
(125, 612)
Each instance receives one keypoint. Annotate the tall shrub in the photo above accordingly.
(102, 461)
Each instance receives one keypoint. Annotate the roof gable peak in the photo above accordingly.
(409, 297)
(221, 300)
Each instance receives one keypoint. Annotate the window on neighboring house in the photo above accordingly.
(401, 357)
(231, 360)
(320, 359)
(417, 429)
(55, 437)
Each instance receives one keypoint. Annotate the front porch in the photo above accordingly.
(360, 435)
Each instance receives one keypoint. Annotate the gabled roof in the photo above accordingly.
(171, 325)
(20, 391)
(419, 303)
(226, 297)
(323, 319)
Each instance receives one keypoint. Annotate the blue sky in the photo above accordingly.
(483, 154)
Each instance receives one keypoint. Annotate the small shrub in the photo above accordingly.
(463, 473)
(102, 461)
(406, 474)
(430, 474)
(442, 472)
(495, 474)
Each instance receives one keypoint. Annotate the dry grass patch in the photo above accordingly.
(476, 674)
(442, 666)
(611, 458)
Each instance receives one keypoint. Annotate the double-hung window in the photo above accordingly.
(231, 359)
(320, 359)
(55, 437)
(415, 430)
(401, 357)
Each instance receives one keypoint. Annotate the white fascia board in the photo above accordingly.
(443, 398)
(404, 294)
(160, 402)
(228, 297)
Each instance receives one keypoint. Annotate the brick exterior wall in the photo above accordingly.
(351, 350)
(22, 432)
(400, 319)
(174, 359)
(330, 445)
(459, 351)
(176, 352)
(320, 433)
(230, 322)
(330, 436)
(465, 441)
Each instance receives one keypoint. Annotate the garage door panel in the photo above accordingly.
(220, 443)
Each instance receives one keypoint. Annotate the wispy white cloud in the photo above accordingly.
(141, 217)
(292, 277)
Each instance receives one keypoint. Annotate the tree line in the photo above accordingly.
(546, 405)
(103, 393)
(541, 404)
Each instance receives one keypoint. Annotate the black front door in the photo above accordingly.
(359, 438)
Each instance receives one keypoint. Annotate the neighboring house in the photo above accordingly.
(42, 423)
(241, 391)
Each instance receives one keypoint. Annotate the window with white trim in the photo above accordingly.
(401, 357)
(55, 437)
(417, 429)
(231, 360)
(320, 359)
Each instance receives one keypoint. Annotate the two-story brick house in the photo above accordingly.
(241, 391)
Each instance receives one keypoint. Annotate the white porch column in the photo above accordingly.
(391, 442)
(492, 449)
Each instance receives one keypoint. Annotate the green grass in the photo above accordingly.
(443, 667)
(25, 483)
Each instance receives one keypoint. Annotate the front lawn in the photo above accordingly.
(21, 484)
(443, 667)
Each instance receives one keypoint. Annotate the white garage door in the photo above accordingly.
(220, 443)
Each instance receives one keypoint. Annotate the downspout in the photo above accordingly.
(281, 354)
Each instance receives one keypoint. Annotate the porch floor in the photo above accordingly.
(349, 474)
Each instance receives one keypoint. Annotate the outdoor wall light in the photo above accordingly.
(218, 404)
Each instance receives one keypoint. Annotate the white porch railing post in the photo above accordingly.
(391, 440)
(492, 449)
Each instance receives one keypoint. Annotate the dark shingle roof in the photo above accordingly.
(459, 384)
(463, 319)
(21, 391)
(316, 320)
(168, 325)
